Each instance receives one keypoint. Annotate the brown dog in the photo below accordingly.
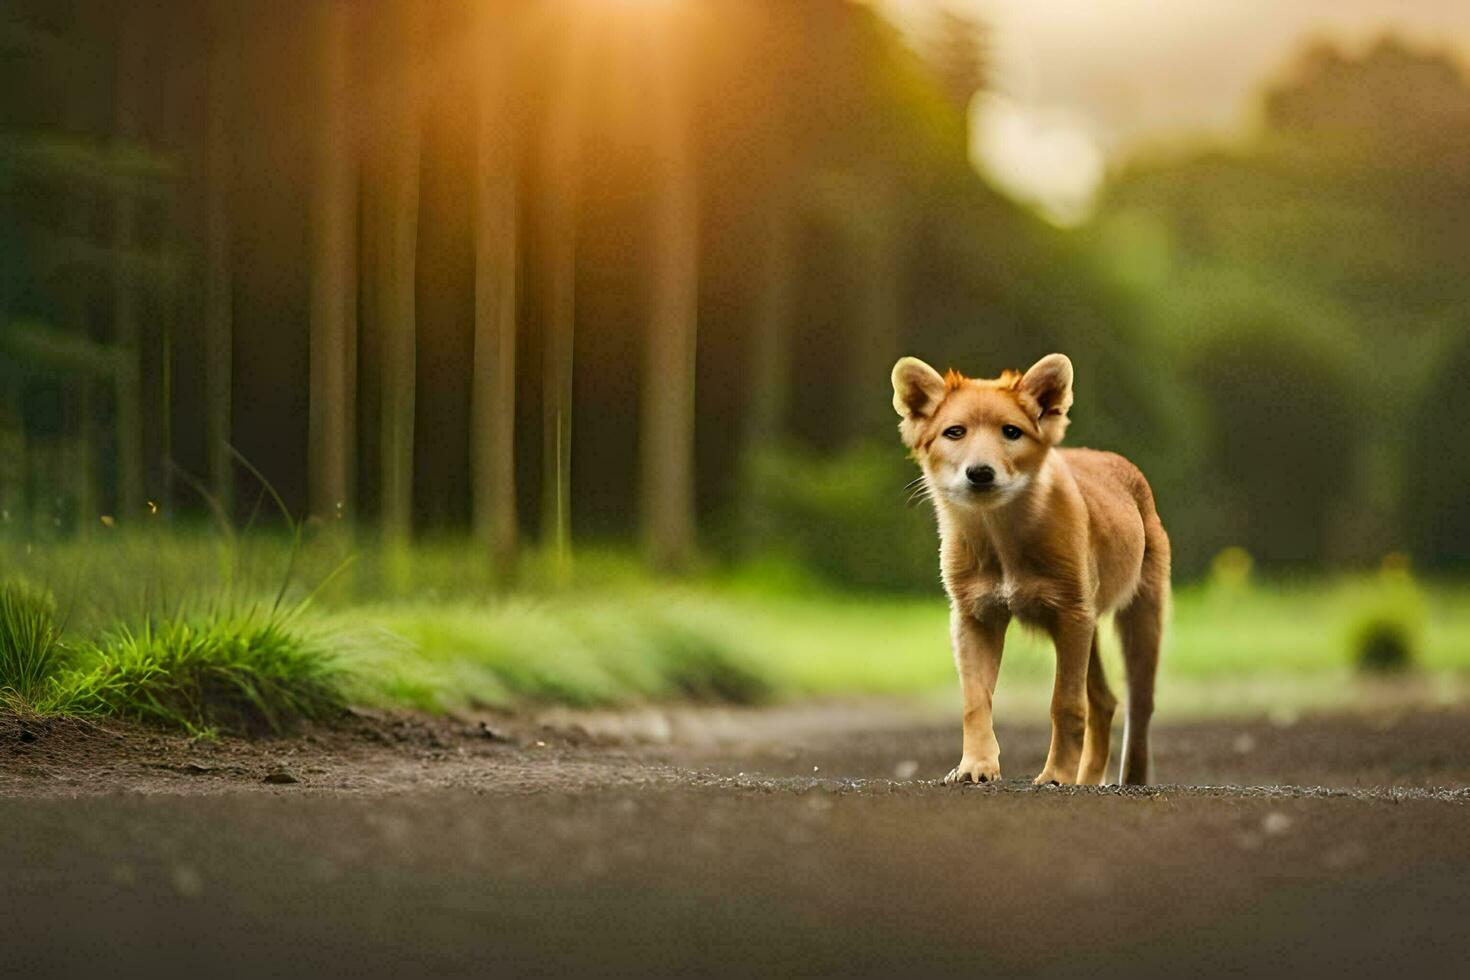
(1056, 538)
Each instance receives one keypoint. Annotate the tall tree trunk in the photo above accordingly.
(559, 197)
(128, 384)
(666, 431)
(333, 274)
(493, 397)
(219, 261)
(396, 254)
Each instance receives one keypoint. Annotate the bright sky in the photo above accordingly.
(1082, 82)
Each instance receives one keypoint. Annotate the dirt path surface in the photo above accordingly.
(809, 840)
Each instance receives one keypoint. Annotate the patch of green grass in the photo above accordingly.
(661, 646)
(1260, 647)
(30, 643)
(1248, 647)
(145, 637)
(249, 673)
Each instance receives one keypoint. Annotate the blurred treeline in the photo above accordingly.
(635, 272)
(1311, 289)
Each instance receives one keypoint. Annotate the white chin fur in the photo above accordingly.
(962, 495)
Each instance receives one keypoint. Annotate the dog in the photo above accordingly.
(1055, 538)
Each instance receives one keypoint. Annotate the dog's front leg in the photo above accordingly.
(978, 643)
(1072, 634)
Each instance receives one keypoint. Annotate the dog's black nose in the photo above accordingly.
(980, 476)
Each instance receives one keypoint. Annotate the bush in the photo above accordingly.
(1386, 627)
(30, 643)
(847, 519)
(1230, 570)
(1383, 645)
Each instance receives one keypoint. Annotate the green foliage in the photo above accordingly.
(1297, 280)
(30, 643)
(1437, 467)
(1230, 571)
(1238, 642)
(235, 673)
(1279, 443)
(1383, 645)
(638, 647)
(1386, 630)
(185, 631)
(847, 518)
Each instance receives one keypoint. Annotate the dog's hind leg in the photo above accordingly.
(1141, 629)
(1100, 707)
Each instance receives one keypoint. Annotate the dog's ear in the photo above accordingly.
(1047, 389)
(917, 388)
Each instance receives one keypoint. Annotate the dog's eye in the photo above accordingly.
(955, 432)
(1010, 432)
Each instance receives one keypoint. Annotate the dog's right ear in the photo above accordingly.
(917, 388)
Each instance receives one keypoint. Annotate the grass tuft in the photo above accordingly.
(243, 674)
(31, 653)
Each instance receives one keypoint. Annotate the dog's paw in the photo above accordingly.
(1054, 777)
(974, 771)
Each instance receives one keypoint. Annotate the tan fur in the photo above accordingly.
(1057, 538)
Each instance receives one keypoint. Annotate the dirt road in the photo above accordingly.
(802, 840)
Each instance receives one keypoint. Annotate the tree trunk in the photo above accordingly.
(559, 198)
(395, 255)
(333, 274)
(493, 397)
(666, 436)
(219, 282)
(128, 384)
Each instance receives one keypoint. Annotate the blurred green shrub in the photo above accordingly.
(1230, 571)
(1382, 645)
(1385, 629)
(844, 518)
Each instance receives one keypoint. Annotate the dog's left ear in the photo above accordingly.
(1048, 389)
